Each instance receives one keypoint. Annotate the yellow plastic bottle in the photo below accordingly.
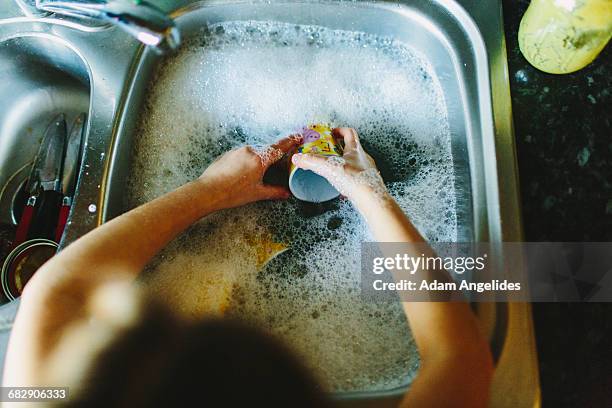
(562, 36)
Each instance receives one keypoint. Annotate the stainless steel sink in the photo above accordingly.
(52, 65)
(46, 77)
(463, 41)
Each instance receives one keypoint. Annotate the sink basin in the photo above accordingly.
(462, 41)
(47, 78)
(50, 65)
(470, 77)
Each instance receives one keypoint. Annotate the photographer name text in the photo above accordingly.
(406, 266)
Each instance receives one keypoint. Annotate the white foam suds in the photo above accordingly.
(252, 82)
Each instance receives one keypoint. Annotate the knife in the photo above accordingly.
(47, 174)
(33, 184)
(71, 170)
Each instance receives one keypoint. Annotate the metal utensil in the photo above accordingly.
(46, 166)
(72, 164)
(12, 195)
(21, 264)
(46, 178)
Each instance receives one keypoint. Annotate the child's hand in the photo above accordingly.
(354, 175)
(236, 177)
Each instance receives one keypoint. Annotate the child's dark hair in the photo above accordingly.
(166, 362)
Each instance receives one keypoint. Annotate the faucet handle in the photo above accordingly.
(142, 20)
(146, 22)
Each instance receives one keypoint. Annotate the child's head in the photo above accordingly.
(158, 360)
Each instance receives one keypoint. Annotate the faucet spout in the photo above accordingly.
(142, 20)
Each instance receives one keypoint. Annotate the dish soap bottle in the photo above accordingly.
(562, 36)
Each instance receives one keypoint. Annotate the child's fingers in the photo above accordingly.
(287, 143)
(351, 140)
(312, 162)
(273, 153)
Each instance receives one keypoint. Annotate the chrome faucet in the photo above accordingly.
(142, 20)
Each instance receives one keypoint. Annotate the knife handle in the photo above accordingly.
(23, 228)
(47, 213)
(63, 218)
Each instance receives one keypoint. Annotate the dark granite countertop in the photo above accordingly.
(563, 127)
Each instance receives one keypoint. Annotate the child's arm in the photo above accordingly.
(456, 364)
(60, 292)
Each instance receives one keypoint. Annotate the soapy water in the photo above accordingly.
(290, 267)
